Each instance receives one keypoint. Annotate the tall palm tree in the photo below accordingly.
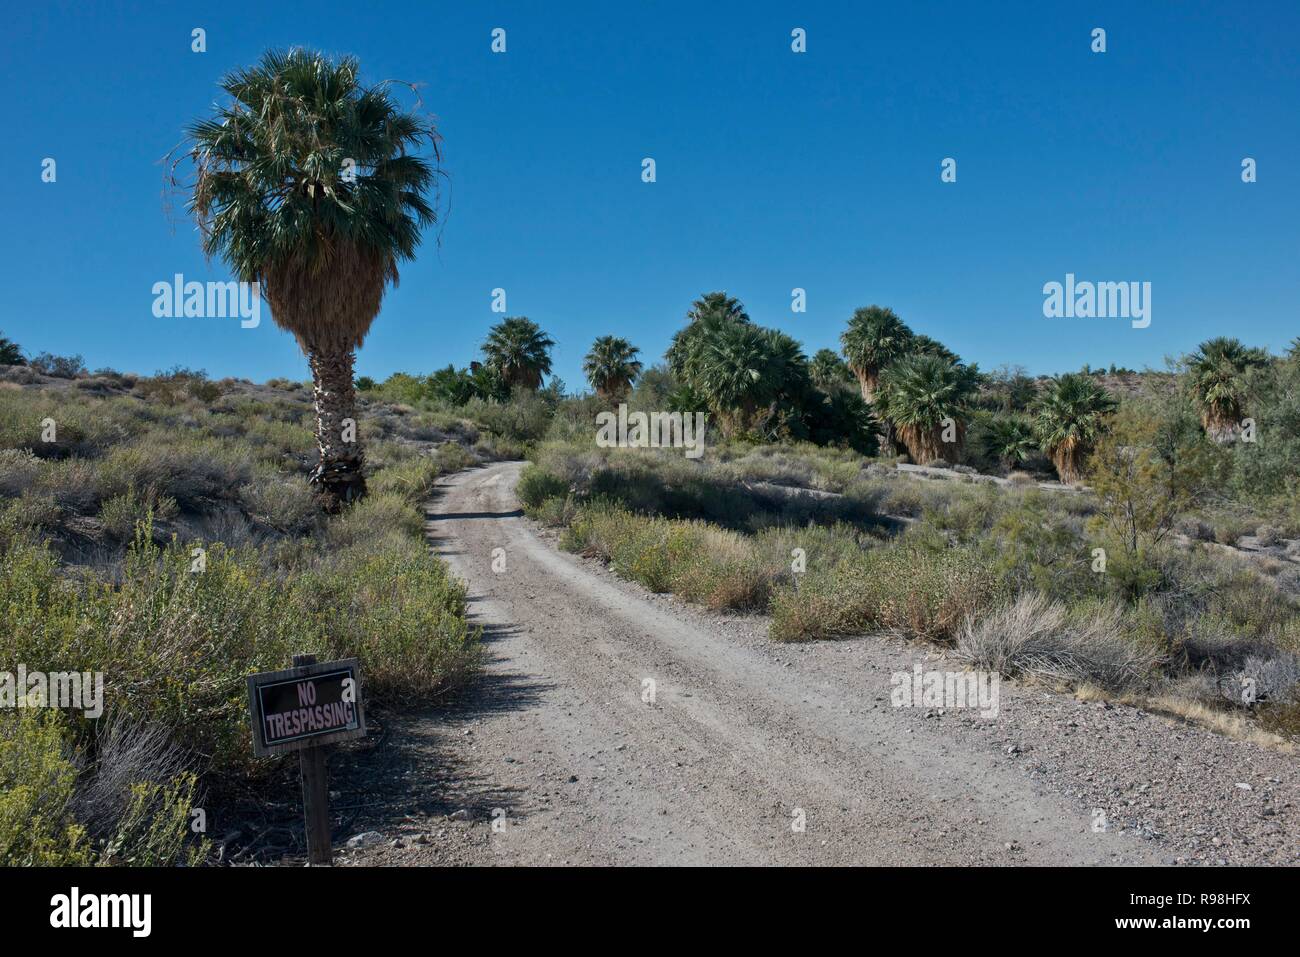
(277, 199)
(1217, 377)
(10, 354)
(519, 351)
(1069, 416)
(875, 338)
(924, 396)
(611, 366)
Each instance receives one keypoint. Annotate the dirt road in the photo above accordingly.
(750, 752)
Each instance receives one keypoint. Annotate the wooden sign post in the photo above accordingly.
(304, 709)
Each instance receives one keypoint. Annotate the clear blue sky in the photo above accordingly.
(775, 170)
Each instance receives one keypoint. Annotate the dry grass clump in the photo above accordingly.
(700, 562)
(912, 591)
(1036, 637)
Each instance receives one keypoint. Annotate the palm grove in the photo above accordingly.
(890, 391)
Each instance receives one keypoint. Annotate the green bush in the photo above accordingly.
(287, 505)
(37, 777)
(175, 644)
(122, 513)
(536, 486)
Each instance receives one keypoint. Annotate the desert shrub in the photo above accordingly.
(58, 367)
(37, 778)
(21, 517)
(969, 515)
(376, 515)
(912, 591)
(536, 486)
(555, 512)
(904, 497)
(123, 512)
(525, 418)
(287, 505)
(70, 483)
(1230, 529)
(1282, 718)
(190, 468)
(698, 561)
(414, 478)
(277, 437)
(1032, 543)
(1037, 637)
(453, 456)
(1195, 528)
(54, 426)
(400, 611)
(1266, 469)
(177, 384)
(19, 471)
(1272, 677)
(154, 828)
(499, 449)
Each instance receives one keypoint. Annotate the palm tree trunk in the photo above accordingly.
(868, 380)
(1220, 427)
(1067, 460)
(338, 477)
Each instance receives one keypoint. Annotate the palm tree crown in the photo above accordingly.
(1069, 417)
(717, 305)
(1008, 438)
(309, 183)
(519, 351)
(611, 366)
(738, 371)
(875, 338)
(709, 316)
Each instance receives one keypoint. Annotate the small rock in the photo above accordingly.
(459, 815)
(1244, 786)
(365, 839)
